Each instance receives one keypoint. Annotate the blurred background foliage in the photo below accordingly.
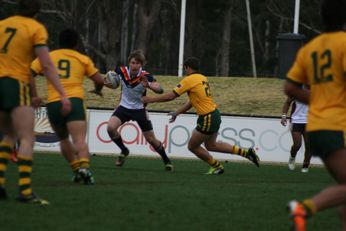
(216, 31)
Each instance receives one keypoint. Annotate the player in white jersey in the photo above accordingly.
(299, 113)
(134, 84)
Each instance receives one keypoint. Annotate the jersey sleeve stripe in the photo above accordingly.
(40, 45)
(294, 82)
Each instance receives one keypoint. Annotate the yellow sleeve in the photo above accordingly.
(182, 87)
(90, 68)
(36, 67)
(40, 36)
(297, 72)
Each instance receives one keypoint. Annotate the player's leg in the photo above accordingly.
(331, 147)
(330, 197)
(6, 147)
(157, 145)
(194, 145)
(58, 123)
(77, 129)
(307, 155)
(22, 117)
(210, 124)
(67, 149)
(335, 195)
(297, 143)
(119, 117)
(23, 124)
(142, 118)
(213, 145)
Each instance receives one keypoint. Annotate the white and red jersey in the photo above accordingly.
(132, 89)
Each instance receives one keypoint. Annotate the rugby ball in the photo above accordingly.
(113, 78)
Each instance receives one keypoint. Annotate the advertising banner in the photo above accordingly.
(271, 140)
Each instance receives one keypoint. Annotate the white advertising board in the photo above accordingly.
(271, 140)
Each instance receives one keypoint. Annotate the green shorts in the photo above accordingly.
(57, 119)
(209, 123)
(13, 93)
(323, 142)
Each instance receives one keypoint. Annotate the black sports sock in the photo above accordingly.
(119, 142)
(306, 165)
(163, 154)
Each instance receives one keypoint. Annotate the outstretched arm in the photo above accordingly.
(179, 111)
(154, 86)
(162, 98)
(98, 83)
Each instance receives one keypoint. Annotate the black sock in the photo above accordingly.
(306, 165)
(119, 142)
(163, 154)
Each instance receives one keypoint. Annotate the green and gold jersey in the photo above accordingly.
(198, 90)
(18, 37)
(72, 68)
(322, 65)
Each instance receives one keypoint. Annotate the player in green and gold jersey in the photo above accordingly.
(72, 67)
(197, 87)
(22, 37)
(322, 64)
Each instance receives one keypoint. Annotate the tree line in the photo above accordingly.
(216, 31)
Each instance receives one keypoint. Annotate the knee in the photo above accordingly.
(191, 147)
(210, 147)
(80, 145)
(112, 132)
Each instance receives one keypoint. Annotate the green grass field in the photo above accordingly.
(142, 196)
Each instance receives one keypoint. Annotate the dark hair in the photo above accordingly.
(333, 13)
(192, 62)
(138, 56)
(68, 38)
(28, 8)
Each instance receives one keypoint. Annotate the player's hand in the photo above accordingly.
(66, 106)
(284, 121)
(145, 82)
(146, 99)
(99, 93)
(107, 83)
(173, 116)
(36, 102)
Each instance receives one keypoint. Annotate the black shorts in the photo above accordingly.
(298, 128)
(138, 115)
(324, 142)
